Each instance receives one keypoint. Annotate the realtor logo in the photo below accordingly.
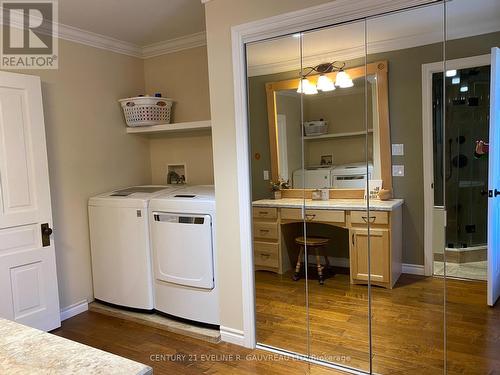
(29, 35)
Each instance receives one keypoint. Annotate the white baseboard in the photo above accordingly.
(233, 336)
(74, 309)
(413, 269)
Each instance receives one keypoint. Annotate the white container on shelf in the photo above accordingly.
(146, 110)
(312, 128)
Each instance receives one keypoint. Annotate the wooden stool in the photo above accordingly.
(314, 243)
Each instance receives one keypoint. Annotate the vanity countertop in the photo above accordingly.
(331, 204)
(25, 350)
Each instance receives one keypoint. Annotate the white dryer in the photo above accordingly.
(182, 239)
(120, 246)
(312, 178)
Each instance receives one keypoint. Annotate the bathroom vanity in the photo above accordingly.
(384, 239)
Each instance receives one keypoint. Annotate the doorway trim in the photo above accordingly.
(427, 144)
(288, 23)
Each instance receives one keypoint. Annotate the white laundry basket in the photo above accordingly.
(146, 110)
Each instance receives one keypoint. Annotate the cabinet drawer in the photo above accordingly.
(375, 217)
(329, 216)
(265, 230)
(291, 214)
(265, 254)
(265, 213)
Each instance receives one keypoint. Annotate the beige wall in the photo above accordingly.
(194, 150)
(88, 149)
(220, 16)
(182, 76)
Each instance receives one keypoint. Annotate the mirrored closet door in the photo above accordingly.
(371, 177)
(470, 258)
(407, 327)
(275, 130)
(338, 147)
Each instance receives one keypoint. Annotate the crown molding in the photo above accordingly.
(88, 38)
(175, 45)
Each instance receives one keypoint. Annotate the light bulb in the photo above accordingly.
(325, 83)
(343, 80)
(306, 87)
(451, 73)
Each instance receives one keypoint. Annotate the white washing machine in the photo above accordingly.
(120, 246)
(182, 239)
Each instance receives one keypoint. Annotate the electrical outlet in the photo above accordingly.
(398, 170)
(398, 149)
(266, 175)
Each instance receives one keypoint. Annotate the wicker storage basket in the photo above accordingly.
(146, 110)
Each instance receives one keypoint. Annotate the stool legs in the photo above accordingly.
(319, 267)
(296, 275)
(321, 279)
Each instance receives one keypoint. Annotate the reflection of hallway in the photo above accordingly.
(470, 270)
(407, 323)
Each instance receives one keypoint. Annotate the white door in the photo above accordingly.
(28, 281)
(494, 182)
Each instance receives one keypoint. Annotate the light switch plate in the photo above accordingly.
(398, 149)
(266, 175)
(398, 170)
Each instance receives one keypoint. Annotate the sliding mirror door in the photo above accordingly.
(338, 151)
(275, 126)
(471, 171)
(407, 324)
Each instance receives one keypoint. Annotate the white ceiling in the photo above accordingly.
(390, 32)
(141, 22)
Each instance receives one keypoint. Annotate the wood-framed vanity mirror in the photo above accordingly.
(356, 137)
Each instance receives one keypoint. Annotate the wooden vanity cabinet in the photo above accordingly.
(266, 244)
(384, 240)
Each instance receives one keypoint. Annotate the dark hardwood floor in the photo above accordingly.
(190, 356)
(407, 323)
(407, 327)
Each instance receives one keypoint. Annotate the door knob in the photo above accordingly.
(46, 232)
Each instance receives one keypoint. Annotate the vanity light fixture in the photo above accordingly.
(306, 87)
(343, 80)
(451, 73)
(324, 83)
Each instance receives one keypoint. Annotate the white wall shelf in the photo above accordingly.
(171, 128)
(337, 135)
